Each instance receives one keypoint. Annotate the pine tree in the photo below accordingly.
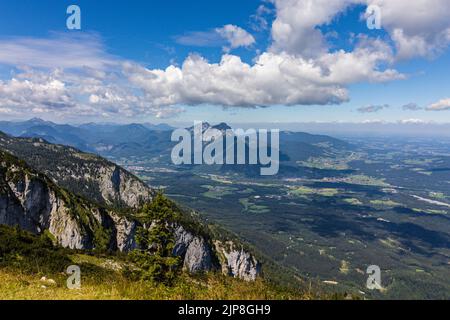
(156, 242)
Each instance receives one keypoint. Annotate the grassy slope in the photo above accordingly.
(16, 285)
(26, 258)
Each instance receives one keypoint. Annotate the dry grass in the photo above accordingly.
(18, 286)
(25, 259)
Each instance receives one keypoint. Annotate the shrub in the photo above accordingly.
(23, 250)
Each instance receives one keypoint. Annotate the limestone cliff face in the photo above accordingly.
(66, 230)
(32, 202)
(27, 200)
(198, 255)
(118, 186)
(194, 251)
(125, 233)
(237, 262)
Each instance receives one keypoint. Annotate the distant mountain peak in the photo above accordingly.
(34, 122)
(37, 121)
(222, 126)
(206, 125)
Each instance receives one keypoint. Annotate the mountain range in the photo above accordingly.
(115, 141)
(86, 137)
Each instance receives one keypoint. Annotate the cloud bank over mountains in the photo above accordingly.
(75, 74)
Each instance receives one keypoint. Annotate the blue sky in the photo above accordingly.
(137, 30)
(114, 68)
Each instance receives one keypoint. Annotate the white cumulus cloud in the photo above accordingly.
(417, 27)
(273, 79)
(235, 36)
(441, 105)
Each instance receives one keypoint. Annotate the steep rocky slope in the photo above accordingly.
(84, 174)
(35, 203)
(201, 253)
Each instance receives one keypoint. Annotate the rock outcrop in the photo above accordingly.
(29, 201)
(199, 255)
(33, 204)
(119, 187)
(125, 232)
(237, 262)
(194, 251)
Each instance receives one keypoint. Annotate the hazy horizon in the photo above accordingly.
(336, 128)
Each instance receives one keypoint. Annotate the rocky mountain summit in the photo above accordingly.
(85, 174)
(37, 203)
